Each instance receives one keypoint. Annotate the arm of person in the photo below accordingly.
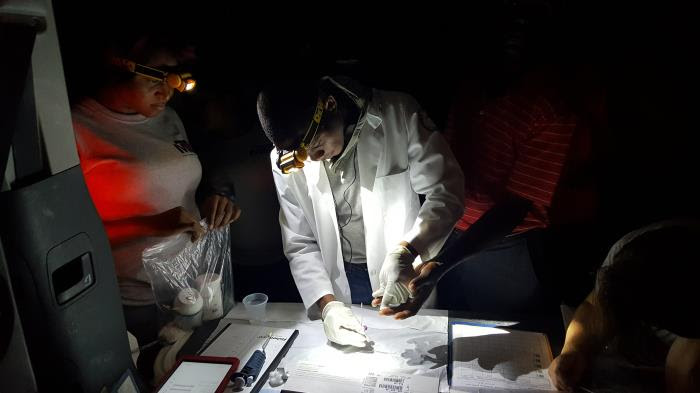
(170, 222)
(324, 300)
(434, 173)
(307, 265)
(299, 241)
(587, 334)
(217, 199)
(488, 230)
(682, 370)
(216, 193)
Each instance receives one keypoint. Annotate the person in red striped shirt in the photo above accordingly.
(528, 164)
(520, 147)
(515, 145)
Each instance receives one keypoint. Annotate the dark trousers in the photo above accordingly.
(498, 280)
(360, 286)
(144, 322)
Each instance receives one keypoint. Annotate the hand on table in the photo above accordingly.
(341, 325)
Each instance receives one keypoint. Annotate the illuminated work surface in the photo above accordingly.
(416, 346)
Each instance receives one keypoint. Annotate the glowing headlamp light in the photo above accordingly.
(182, 81)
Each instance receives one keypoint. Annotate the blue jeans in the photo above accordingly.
(500, 279)
(360, 286)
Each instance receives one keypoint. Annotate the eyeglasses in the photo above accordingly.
(294, 160)
(182, 81)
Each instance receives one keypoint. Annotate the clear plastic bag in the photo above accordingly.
(192, 282)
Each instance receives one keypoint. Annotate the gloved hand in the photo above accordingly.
(421, 287)
(397, 271)
(341, 325)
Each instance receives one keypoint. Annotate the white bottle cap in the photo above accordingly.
(188, 302)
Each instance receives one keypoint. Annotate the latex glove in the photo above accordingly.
(397, 271)
(421, 287)
(341, 325)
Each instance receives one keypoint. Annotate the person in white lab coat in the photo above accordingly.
(349, 164)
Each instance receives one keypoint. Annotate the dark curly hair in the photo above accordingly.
(285, 108)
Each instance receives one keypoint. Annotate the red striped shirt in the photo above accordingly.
(518, 145)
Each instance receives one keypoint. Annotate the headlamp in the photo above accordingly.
(180, 81)
(294, 160)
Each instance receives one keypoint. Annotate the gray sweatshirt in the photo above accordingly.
(135, 166)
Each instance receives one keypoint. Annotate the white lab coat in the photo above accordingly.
(398, 158)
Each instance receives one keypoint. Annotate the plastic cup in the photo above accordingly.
(255, 305)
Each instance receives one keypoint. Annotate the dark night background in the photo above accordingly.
(645, 149)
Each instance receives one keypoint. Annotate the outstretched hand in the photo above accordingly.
(421, 286)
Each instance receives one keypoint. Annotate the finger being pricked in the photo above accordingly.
(425, 276)
(421, 287)
(403, 311)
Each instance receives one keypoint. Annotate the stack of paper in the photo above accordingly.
(487, 358)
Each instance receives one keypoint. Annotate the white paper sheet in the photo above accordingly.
(370, 317)
(404, 351)
(496, 358)
(274, 312)
(312, 377)
(195, 377)
(295, 312)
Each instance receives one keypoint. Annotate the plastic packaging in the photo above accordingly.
(192, 282)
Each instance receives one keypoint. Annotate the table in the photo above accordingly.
(416, 346)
